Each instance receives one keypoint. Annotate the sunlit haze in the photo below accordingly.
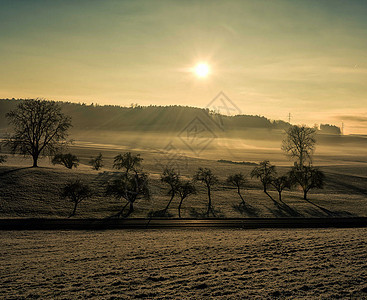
(271, 58)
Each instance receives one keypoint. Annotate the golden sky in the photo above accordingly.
(271, 58)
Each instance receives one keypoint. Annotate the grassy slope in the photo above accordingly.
(28, 192)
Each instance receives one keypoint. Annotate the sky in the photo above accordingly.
(270, 58)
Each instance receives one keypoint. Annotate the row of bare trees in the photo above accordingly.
(307, 177)
(299, 144)
(133, 184)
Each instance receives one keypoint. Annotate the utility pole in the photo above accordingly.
(289, 118)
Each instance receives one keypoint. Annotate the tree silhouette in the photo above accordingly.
(280, 184)
(308, 177)
(185, 189)
(76, 191)
(265, 172)
(207, 177)
(239, 181)
(132, 184)
(97, 162)
(68, 160)
(172, 178)
(299, 143)
(129, 187)
(40, 128)
(127, 161)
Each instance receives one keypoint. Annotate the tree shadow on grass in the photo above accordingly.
(121, 214)
(246, 209)
(284, 210)
(326, 211)
(202, 214)
(330, 213)
(7, 172)
(163, 213)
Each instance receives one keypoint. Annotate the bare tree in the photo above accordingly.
(76, 191)
(280, 184)
(185, 189)
(97, 162)
(299, 143)
(68, 160)
(172, 178)
(40, 128)
(132, 184)
(239, 181)
(308, 177)
(207, 177)
(129, 187)
(265, 172)
(127, 161)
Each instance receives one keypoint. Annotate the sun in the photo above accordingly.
(202, 70)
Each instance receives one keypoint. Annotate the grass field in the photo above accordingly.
(34, 192)
(162, 264)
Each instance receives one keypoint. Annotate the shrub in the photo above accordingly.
(68, 160)
(97, 162)
(76, 192)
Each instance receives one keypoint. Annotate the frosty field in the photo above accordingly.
(201, 264)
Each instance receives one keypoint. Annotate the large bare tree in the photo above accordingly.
(39, 128)
(300, 143)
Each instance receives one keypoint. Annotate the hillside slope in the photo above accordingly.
(34, 192)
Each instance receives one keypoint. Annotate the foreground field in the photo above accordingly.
(313, 263)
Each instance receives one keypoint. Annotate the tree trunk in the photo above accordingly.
(35, 160)
(131, 209)
(122, 210)
(280, 195)
(239, 193)
(212, 210)
(305, 194)
(266, 192)
(179, 209)
(74, 210)
(172, 196)
(209, 203)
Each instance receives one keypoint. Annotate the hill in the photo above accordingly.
(34, 192)
(150, 118)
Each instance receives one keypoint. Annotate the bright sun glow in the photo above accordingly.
(202, 70)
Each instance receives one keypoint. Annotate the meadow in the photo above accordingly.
(34, 192)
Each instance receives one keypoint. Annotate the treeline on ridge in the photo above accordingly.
(154, 118)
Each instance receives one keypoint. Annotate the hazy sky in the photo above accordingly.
(308, 58)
